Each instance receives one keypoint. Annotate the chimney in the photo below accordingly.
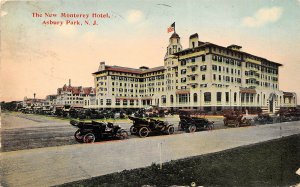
(101, 66)
(69, 82)
(194, 40)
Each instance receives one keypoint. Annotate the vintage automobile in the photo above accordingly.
(264, 119)
(90, 131)
(288, 114)
(193, 124)
(235, 119)
(143, 127)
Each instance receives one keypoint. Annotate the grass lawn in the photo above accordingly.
(271, 163)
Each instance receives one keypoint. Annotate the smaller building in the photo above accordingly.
(73, 95)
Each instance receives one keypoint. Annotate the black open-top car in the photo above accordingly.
(90, 131)
(192, 124)
(143, 127)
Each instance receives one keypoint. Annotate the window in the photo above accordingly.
(171, 98)
(220, 77)
(183, 63)
(163, 99)
(214, 58)
(220, 59)
(227, 96)
(220, 68)
(214, 67)
(207, 96)
(203, 77)
(195, 97)
(183, 98)
(193, 68)
(131, 102)
(125, 102)
(183, 71)
(251, 98)
(203, 58)
(219, 96)
(214, 76)
(193, 60)
(243, 97)
(108, 101)
(234, 96)
(203, 68)
(117, 102)
(183, 79)
(101, 101)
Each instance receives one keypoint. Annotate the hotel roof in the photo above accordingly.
(131, 70)
(203, 44)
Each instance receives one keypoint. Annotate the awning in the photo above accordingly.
(182, 91)
(127, 98)
(247, 90)
(288, 94)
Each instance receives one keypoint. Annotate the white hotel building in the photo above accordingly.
(204, 76)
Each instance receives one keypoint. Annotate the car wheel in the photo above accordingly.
(210, 127)
(133, 130)
(123, 135)
(170, 130)
(143, 132)
(78, 136)
(89, 138)
(192, 128)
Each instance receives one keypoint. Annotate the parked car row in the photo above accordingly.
(67, 111)
(91, 131)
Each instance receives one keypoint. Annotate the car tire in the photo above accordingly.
(78, 136)
(123, 135)
(89, 138)
(144, 132)
(133, 130)
(191, 129)
(170, 130)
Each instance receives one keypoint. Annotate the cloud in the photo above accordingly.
(263, 16)
(134, 16)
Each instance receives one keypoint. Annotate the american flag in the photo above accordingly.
(171, 28)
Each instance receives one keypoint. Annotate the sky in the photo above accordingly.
(38, 58)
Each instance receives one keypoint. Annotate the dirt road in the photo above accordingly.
(27, 131)
(58, 165)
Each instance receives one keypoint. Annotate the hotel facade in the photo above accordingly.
(204, 76)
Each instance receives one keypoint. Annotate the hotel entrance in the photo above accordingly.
(271, 103)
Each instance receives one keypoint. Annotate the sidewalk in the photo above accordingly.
(58, 165)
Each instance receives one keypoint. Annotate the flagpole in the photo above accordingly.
(174, 28)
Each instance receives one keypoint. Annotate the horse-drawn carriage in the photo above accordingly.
(143, 127)
(235, 119)
(90, 131)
